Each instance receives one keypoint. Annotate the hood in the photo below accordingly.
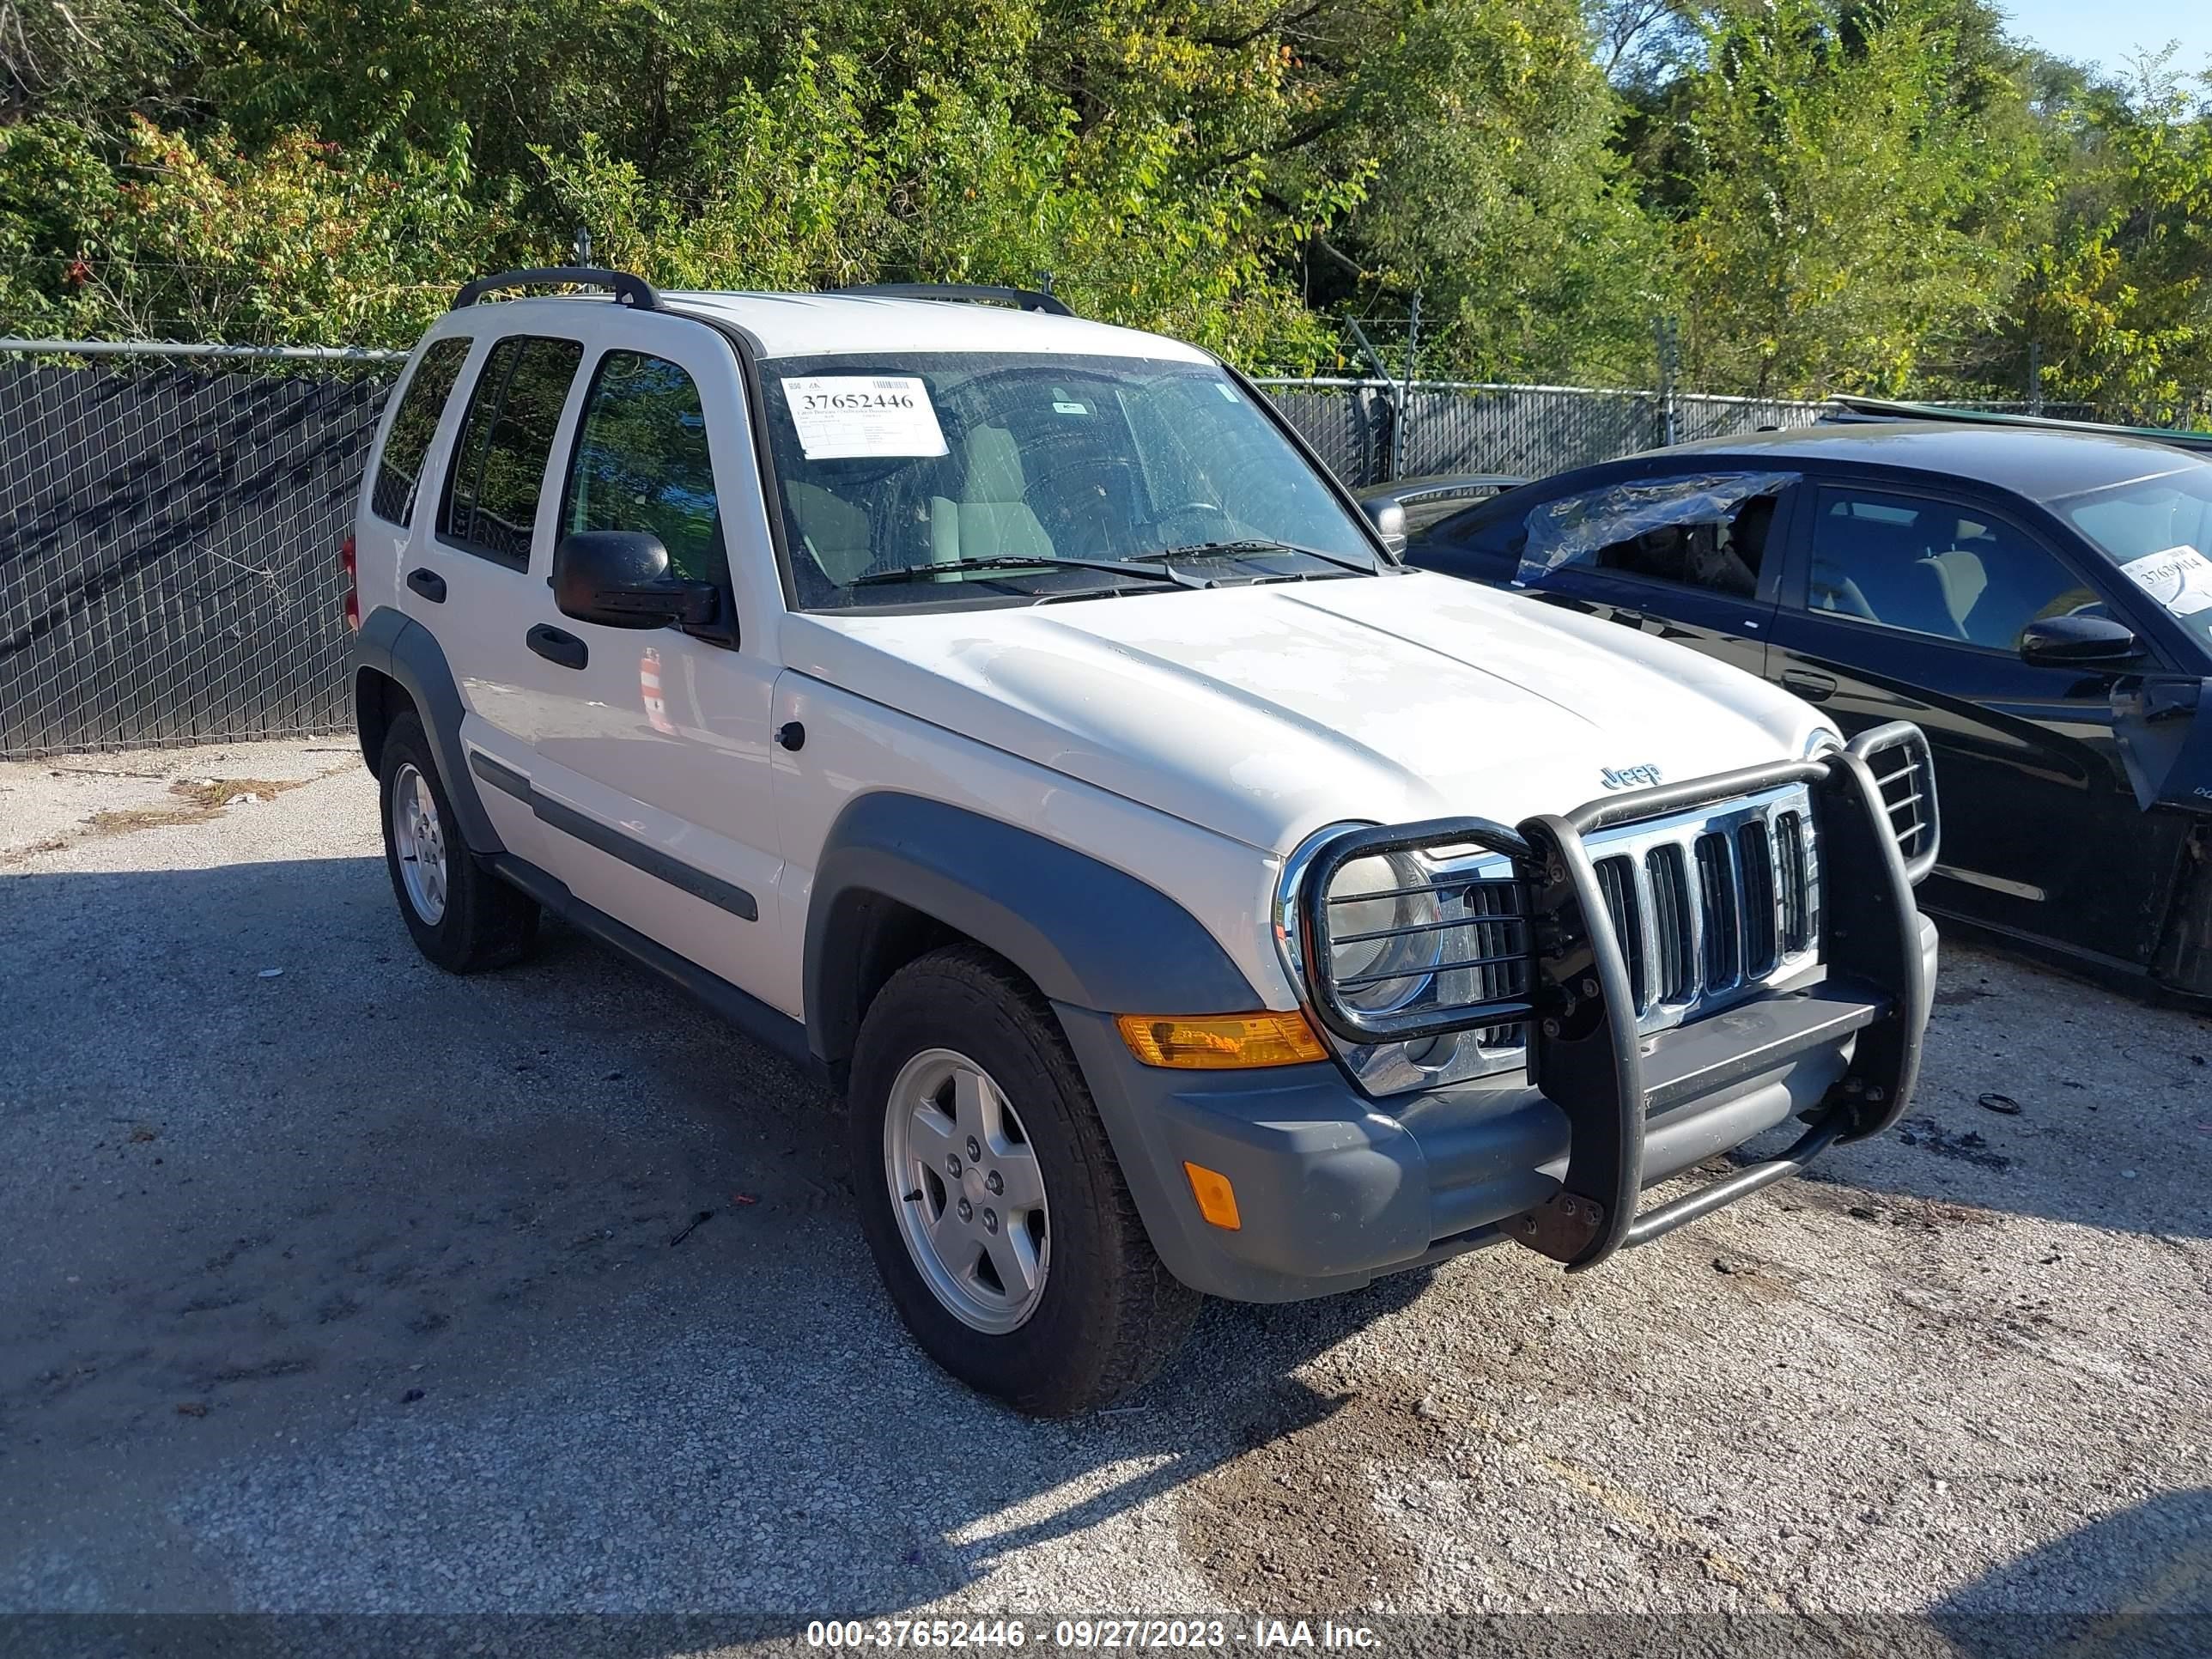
(1266, 713)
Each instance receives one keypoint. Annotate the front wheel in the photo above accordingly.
(991, 1199)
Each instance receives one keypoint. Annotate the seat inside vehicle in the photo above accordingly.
(834, 531)
(1880, 570)
(1934, 571)
(993, 518)
(1720, 555)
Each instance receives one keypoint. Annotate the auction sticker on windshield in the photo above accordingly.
(847, 417)
(2180, 579)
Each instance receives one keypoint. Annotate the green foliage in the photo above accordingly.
(164, 237)
(1497, 195)
(2118, 304)
(1842, 205)
(1885, 195)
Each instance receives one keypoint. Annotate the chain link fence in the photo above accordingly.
(169, 543)
(170, 517)
(1522, 431)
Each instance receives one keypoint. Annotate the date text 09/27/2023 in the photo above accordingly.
(1087, 1634)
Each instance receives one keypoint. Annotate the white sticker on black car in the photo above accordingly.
(2180, 579)
(844, 417)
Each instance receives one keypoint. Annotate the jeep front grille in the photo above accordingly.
(1748, 915)
(1419, 946)
(1717, 893)
(1500, 933)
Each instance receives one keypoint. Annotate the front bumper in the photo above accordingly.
(1333, 1190)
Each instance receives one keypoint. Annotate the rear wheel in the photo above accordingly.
(991, 1199)
(462, 917)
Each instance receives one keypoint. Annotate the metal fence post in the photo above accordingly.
(2035, 377)
(1667, 333)
(1406, 396)
(1389, 387)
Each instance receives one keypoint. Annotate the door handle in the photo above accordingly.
(1814, 688)
(555, 646)
(430, 584)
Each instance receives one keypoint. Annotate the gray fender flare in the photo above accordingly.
(402, 649)
(1087, 934)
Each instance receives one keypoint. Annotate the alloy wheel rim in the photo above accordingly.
(967, 1191)
(420, 838)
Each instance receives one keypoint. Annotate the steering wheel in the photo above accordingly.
(1187, 512)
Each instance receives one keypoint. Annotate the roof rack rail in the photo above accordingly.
(627, 290)
(1028, 299)
(1855, 409)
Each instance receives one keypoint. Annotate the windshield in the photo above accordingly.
(946, 474)
(2158, 531)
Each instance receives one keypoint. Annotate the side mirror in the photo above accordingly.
(1388, 519)
(2078, 642)
(619, 579)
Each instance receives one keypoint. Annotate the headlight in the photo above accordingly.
(1401, 929)
(1384, 939)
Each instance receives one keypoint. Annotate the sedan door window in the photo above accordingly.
(1949, 571)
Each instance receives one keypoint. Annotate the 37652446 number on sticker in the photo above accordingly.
(850, 416)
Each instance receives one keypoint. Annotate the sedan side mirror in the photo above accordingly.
(1388, 519)
(2078, 642)
(619, 579)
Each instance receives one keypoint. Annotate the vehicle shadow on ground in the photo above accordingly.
(355, 1285)
(2155, 1558)
(358, 1286)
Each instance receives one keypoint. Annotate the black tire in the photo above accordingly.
(1109, 1314)
(483, 922)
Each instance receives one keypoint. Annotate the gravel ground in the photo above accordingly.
(337, 1284)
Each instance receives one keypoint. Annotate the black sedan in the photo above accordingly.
(2039, 601)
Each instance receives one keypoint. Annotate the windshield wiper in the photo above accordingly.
(1262, 544)
(1158, 573)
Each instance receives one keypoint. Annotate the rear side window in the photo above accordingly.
(498, 474)
(642, 463)
(1701, 530)
(400, 467)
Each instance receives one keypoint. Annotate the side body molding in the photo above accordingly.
(401, 649)
(1089, 935)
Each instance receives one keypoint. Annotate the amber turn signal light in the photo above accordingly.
(1217, 1198)
(1219, 1043)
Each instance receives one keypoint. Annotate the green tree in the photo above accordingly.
(2117, 303)
(170, 238)
(1843, 201)
(1497, 192)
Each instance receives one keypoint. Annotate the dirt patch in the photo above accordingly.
(198, 800)
(1814, 1191)
(1928, 1135)
(1296, 1513)
(1953, 996)
(1757, 1275)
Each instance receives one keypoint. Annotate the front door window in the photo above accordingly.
(640, 464)
(1947, 571)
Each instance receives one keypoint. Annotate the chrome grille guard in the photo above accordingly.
(1873, 808)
